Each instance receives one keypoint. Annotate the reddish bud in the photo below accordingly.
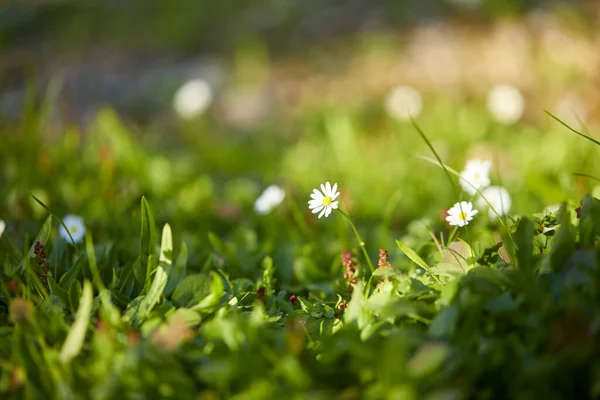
(12, 286)
(293, 299)
(260, 293)
(578, 211)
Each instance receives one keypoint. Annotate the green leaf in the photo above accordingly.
(410, 253)
(72, 273)
(428, 358)
(160, 278)
(76, 336)
(217, 291)
(444, 324)
(524, 241)
(148, 236)
(42, 236)
(268, 280)
(178, 271)
(216, 243)
(191, 290)
(74, 293)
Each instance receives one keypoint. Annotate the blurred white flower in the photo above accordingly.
(475, 176)
(269, 199)
(324, 202)
(506, 104)
(192, 98)
(75, 226)
(2, 227)
(404, 102)
(461, 213)
(498, 198)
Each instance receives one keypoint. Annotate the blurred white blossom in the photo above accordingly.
(498, 198)
(75, 226)
(404, 102)
(192, 98)
(2, 227)
(475, 176)
(506, 104)
(269, 199)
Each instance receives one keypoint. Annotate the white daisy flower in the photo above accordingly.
(269, 199)
(75, 226)
(498, 198)
(2, 227)
(506, 104)
(192, 98)
(475, 176)
(404, 102)
(324, 202)
(461, 213)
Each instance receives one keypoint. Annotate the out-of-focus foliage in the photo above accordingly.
(182, 290)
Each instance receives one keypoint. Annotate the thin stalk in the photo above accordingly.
(360, 241)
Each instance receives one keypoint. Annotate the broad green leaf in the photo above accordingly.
(74, 342)
(191, 290)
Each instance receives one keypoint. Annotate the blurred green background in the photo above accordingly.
(200, 105)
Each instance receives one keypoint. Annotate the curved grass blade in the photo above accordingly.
(583, 135)
(60, 221)
(586, 176)
(418, 128)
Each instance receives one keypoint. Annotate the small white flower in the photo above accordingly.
(506, 104)
(475, 176)
(2, 227)
(404, 102)
(269, 199)
(461, 213)
(498, 198)
(324, 202)
(75, 226)
(192, 98)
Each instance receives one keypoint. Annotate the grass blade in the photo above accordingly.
(60, 221)
(583, 135)
(76, 336)
(454, 188)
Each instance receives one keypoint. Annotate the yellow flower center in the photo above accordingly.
(327, 201)
(462, 216)
(73, 229)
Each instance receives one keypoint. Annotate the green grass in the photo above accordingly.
(179, 290)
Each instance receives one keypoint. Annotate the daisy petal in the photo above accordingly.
(317, 209)
(334, 205)
(327, 212)
(323, 212)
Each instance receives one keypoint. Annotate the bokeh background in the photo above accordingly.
(200, 105)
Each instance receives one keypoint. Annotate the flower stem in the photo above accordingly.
(360, 241)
